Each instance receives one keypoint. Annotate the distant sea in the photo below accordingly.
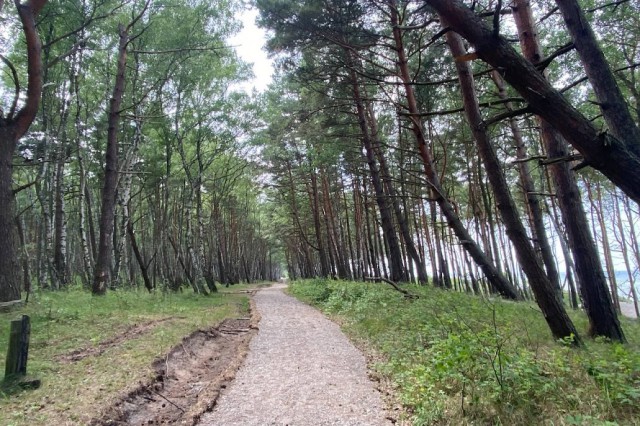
(622, 279)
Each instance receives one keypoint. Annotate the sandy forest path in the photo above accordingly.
(301, 370)
(628, 309)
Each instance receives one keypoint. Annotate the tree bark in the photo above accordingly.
(617, 156)
(102, 272)
(545, 292)
(491, 272)
(9, 269)
(603, 319)
(12, 128)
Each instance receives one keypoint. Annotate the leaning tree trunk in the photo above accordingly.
(398, 272)
(545, 292)
(499, 282)
(612, 103)
(617, 156)
(528, 187)
(603, 319)
(401, 216)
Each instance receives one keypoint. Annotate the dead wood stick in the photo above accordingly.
(167, 399)
(394, 285)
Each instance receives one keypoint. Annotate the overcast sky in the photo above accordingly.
(249, 44)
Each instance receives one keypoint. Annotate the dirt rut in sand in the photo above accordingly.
(189, 379)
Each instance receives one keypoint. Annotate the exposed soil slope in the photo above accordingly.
(189, 378)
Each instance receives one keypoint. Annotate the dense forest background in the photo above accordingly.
(491, 150)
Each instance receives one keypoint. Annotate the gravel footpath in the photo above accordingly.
(628, 310)
(301, 370)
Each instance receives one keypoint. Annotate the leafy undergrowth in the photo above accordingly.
(78, 350)
(460, 359)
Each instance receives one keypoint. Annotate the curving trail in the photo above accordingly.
(301, 370)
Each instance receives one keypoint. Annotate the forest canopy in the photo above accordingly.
(483, 147)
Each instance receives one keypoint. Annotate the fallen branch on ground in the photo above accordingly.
(168, 400)
(394, 285)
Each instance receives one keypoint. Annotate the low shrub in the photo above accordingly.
(456, 358)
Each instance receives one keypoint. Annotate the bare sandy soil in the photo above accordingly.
(628, 310)
(188, 379)
(301, 370)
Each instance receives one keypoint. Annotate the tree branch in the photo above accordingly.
(27, 114)
(543, 64)
(23, 187)
(394, 285)
(184, 49)
(16, 83)
(507, 114)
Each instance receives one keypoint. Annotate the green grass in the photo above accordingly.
(459, 359)
(71, 393)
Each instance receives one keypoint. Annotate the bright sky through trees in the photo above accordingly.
(249, 43)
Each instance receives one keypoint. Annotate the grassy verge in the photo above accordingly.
(459, 359)
(73, 320)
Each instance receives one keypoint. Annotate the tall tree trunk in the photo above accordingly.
(139, 258)
(308, 268)
(124, 201)
(9, 269)
(622, 240)
(102, 272)
(315, 208)
(374, 264)
(617, 157)
(597, 206)
(206, 273)
(13, 125)
(44, 190)
(352, 254)
(400, 215)
(545, 292)
(635, 248)
(530, 196)
(332, 234)
(60, 224)
(87, 259)
(603, 319)
(500, 283)
(398, 273)
(24, 258)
